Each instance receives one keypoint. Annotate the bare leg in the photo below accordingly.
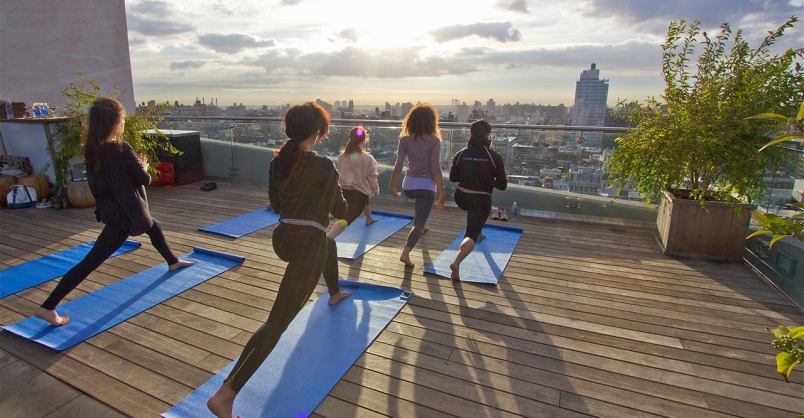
(405, 257)
(343, 294)
(336, 230)
(466, 247)
(222, 401)
(180, 264)
(51, 316)
(369, 219)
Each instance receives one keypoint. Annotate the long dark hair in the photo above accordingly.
(421, 120)
(478, 133)
(105, 116)
(356, 135)
(300, 122)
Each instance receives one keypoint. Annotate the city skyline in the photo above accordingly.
(525, 51)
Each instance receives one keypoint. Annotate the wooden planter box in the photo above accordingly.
(684, 228)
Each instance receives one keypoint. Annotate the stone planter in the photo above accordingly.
(718, 232)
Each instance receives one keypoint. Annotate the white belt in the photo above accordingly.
(306, 222)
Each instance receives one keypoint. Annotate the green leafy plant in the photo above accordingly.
(78, 97)
(790, 342)
(770, 224)
(698, 141)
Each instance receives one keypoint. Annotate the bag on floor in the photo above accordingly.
(21, 197)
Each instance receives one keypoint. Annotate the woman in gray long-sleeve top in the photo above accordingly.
(117, 178)
(421, 145)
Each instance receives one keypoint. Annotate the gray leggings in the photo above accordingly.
(424, 204)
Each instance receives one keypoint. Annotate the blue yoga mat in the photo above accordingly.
(106, 307)
(359, 238)
(316, 350)
(244, 224)
(36, 272)
(486, 262)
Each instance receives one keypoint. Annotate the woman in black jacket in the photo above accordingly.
(477, 170)
(303, 187)
(117, 178)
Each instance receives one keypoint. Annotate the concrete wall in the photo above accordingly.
(45, 43)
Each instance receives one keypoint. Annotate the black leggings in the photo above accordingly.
(309, 252)
(356, 201)
(424, 205)
(477, 207)
(110, 239)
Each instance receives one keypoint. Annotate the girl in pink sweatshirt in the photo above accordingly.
(358, 179)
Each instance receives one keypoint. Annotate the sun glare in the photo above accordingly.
(375, 25)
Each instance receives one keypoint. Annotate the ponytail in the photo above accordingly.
(356, 136)
(300, 122)
(287, 157)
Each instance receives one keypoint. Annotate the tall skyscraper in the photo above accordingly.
(591, 96)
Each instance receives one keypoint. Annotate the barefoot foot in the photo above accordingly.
(405, 257)
(180, 264)
(455, 276)
(480, 237)
(220, 404)
(51, 316)
(426, 228)
(370, 221)
(333, 299)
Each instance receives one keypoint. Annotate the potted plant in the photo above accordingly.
(68, 151)
(695, 153)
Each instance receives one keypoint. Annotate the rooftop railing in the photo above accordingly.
(551, 173)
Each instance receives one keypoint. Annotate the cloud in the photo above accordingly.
(350, 34)
(290, 2)
(633, 56)
(364, 63)
(186, 65)
(514, 5)
(232, 43)
(156, 18)
(495, 30)
(655, 16)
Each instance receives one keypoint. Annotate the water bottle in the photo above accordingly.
(9, 110)
(514, 212)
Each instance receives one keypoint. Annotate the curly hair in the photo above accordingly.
(421, 120)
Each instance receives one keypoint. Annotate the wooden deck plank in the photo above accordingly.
(587, 320)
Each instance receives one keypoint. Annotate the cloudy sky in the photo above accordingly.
(529, 51)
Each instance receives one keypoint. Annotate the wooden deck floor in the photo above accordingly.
(587, 320)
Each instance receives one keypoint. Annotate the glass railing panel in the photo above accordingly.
(551, 173)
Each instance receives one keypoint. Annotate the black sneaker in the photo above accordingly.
(209, 186)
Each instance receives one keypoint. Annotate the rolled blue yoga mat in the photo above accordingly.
(316, 350)
(244, 224)
(486, 262)
(35, 272)
(359, 238)
(106, 307)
